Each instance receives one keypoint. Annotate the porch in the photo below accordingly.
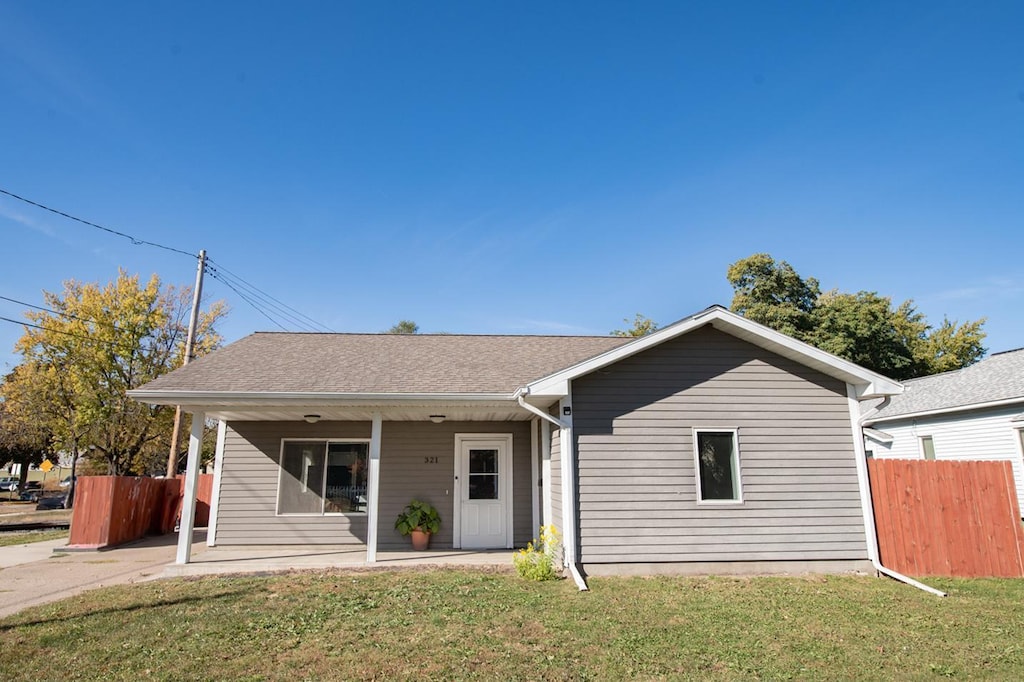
(273, 559)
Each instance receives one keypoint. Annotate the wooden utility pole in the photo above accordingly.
(172, 458)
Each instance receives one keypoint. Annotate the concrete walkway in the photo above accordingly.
(33, 574)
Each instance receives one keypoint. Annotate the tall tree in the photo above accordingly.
(863, 327)
(100, 342)
(773, 294)
(404, 327)
(24, 439)
(641, 326)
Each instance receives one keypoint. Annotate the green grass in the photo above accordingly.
(468, 624)
(24, 537)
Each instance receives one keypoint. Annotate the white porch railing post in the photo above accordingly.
(373, 488)
(188, 503)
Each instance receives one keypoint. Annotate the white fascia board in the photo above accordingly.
(868, 384)
(947, 410)
(307, 398)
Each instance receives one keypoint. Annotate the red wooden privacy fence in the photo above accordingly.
(113, 510)
(947, 518)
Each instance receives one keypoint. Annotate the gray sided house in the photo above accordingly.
(975, 413)
(712, 445)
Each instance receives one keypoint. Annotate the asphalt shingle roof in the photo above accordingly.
(998, 377)
(382, 363)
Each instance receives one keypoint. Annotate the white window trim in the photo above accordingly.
(280, 476)
(737, 478)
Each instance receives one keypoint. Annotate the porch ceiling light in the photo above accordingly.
(437, 418)
(311, 418)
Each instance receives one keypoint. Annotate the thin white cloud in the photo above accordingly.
(22, 219)
(992, 287)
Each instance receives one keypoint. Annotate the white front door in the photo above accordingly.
(484, 481)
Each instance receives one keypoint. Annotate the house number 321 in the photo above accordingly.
(430, 460)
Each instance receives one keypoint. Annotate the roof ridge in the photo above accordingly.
(444, 335)
(1005, 352)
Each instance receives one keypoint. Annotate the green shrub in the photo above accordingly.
(537, 561)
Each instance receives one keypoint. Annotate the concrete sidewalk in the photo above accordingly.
(34, 574)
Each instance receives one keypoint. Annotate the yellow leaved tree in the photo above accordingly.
(99, 342)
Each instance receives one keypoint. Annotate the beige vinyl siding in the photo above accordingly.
(249, 481)
(637, 489)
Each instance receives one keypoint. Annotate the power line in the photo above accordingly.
(57, 331)
(270, 300)
(253, 295)
(247, 300)
(257, 298)
(64, 314)
(134, 240)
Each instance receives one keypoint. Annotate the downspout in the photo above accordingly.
(570, 548)
(865, 492)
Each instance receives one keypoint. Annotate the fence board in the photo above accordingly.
(951, 518)
(113, 510)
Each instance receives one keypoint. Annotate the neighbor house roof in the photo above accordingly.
(998, 379)
(411, 364)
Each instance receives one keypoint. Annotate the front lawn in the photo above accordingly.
(25, 537)
(448, 623)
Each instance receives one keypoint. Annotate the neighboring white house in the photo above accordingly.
(975, 413)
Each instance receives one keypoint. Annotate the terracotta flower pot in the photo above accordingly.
(420, 539)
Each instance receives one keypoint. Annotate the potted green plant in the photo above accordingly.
(420, 520)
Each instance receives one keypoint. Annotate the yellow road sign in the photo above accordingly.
(46, 465)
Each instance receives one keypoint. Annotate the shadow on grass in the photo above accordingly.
(124, 609)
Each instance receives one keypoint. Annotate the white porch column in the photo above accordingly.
(188, 503)
(373, 488)
(218, 466)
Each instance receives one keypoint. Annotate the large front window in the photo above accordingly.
(322, 477)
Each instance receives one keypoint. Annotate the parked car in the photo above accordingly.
(52, 502)
(8, 484)
(66, 481)
(29, 495)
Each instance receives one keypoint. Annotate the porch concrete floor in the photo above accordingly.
(275, 558)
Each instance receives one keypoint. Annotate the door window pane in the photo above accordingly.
(483, 461)
(483, 474)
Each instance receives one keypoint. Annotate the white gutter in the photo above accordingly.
(157, 397)
(867, 508)
(570, 546)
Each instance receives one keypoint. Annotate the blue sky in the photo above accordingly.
(517, 167)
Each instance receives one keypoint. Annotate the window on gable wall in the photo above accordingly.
(322, 477)
(717, 465)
